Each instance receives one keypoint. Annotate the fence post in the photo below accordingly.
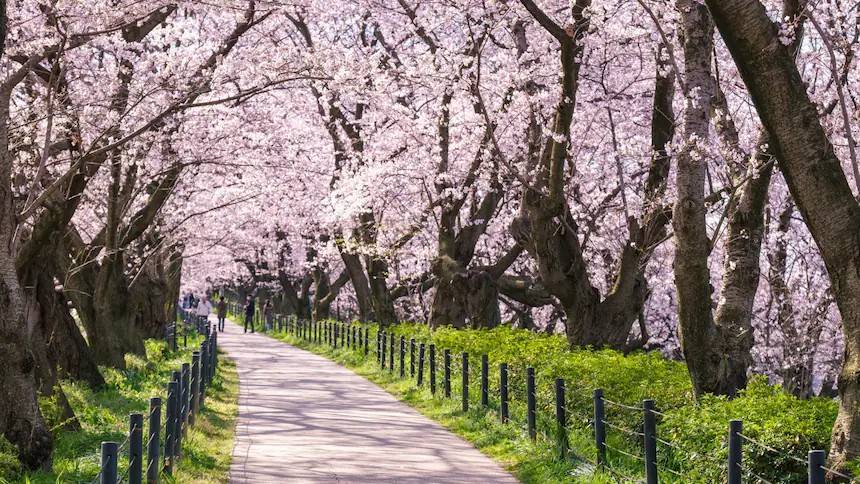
(108, 463)
(335, 330)
(175, 347)
(177, 416)
(446, 370)
(561, 418)
(135, 448)
(530, 401)
(211, 353)
(599, 427)
(815, 463)
(391, 353)
(411, 357)
(153, 443)
(420, 364)
(382, 347)
(195, 387)
(343, 334)
(365, 341)
(432, 369)
(402, 356)
(735, 451)
(503, 391)
(485, 381)
(185, 394)
(465, 382)
(214, 353)
(650, 431)
(378, 345)
(204, 362)
(168, 428)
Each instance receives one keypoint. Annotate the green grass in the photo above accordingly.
(696, 430)
(103, 416)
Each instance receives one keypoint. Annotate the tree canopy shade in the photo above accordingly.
(679, 177)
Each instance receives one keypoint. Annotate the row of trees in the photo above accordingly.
(643, 174)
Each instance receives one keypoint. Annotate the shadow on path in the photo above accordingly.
(303, 418)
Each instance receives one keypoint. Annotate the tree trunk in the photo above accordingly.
(702, 343)
(321, 304)
(360, 285)
(20, 419)
(55, 332)
(464, 298)
(815, 178)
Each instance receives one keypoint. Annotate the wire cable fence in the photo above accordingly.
(618, 438)
(157, 455)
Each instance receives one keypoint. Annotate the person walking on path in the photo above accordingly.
(249, 314)
(269, 314)
(222, 313)
(203, 310)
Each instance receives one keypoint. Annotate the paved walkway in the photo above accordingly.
(303, 418)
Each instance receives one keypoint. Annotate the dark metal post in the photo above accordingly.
(108, 463)
(378, 344)
(735, 451)
(169, 427)
(365, 341)
(432, 359)
(420, 364)
(382, 347)
(153, 443)
(650, 431)
(185, 395)
(815, 463)
(391, 353)
(561, 418)
(177, 415)
(195, 387)
(135, 448)
(411, 357)
(446, 370)
(485, 381)
(204, 362)
(530, 401)
(599, 427)
(503, 391)
(465, 382)
(214, 354)
(402, 356)
(335, 329)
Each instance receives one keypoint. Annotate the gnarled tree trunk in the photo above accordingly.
(815, 178)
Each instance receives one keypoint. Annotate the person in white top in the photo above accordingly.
(203, 310)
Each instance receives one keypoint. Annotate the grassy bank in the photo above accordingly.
(693, 435)
(103, 416)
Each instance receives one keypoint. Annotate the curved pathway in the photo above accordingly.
(303, 418)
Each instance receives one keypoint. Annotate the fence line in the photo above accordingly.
(390, 351)
(185, 395)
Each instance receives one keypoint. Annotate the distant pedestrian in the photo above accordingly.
(222, 313)
(203, 310)
(250, 308)
(268, 314)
